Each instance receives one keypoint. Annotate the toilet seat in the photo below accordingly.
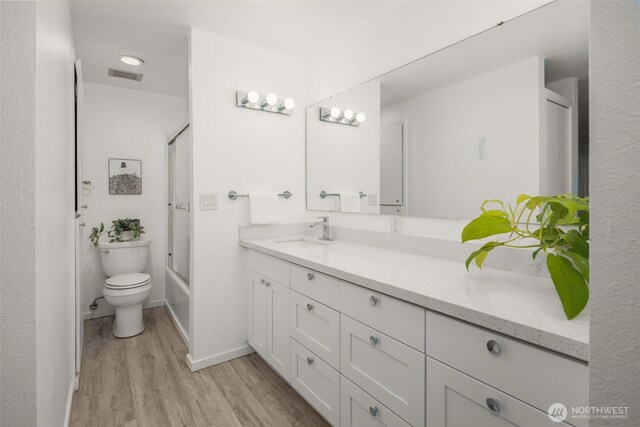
(127, 281)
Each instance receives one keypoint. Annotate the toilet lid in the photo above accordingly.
(125, 281)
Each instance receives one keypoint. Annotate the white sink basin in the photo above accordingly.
(300, 243)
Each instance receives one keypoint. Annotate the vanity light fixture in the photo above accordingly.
(270, 102)
(346, 117)
(131, 60)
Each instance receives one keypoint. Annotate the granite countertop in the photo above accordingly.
(518, 305)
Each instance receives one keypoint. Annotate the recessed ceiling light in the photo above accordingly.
(131, 60)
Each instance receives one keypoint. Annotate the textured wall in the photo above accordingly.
(615, 191)
(17, 214)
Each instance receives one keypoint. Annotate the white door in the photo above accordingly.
(258, 314)
(559, 147)
(391, 164)
(457, 400)
(79, 224)
(278, 353)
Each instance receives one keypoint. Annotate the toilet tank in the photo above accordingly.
(124, 257)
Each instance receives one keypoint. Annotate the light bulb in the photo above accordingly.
(335, 112)
(348, 114)
(131, 60)
(360, 117)
(289, 104)
(253, 97)
(271, 99)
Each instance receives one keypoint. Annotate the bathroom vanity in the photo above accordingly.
(371, 336)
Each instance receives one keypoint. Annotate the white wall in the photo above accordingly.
(614, 61)
(127, 124)
(344, 158)
(242, 150)
(444, 129)
(17, 194)
(426, 27)
(37, 213)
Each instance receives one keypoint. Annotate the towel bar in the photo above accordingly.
(233, 195)
(324, 194)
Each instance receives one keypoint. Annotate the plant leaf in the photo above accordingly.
(577, 242)
(570, 285)
(581, 263)
(522, 198)
(485, 226)
(494, 213)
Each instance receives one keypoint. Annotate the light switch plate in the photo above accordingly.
(208, 201)
(372, 199)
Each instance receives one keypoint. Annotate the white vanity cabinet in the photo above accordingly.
(487, 364)
(269, 303)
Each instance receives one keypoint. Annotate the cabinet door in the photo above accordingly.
(358, 409)
(391, 372)
(316, 381)
(258, 314)
(457, 400)
(278, 354)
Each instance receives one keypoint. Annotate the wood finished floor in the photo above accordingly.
(144, 381)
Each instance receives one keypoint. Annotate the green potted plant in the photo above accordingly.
(122, 230)
(556, 225)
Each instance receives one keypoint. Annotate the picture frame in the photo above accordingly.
(125, 176)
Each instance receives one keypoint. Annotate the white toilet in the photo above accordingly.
(127, 286)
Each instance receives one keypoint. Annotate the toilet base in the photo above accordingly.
(128, 321)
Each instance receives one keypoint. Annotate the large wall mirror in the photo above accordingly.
(499, 114)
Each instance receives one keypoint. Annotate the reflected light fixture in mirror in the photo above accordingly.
(288, 104)
(346, 117)
(131, 60)
(269, 101)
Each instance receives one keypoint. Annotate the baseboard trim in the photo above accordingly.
(67, 411)
(177, 324)
(205, 362)
(110, 311)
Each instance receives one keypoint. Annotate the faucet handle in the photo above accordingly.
(324, 218)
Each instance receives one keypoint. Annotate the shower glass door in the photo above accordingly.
(179, 206)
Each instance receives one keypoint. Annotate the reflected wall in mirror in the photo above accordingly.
(502, 113)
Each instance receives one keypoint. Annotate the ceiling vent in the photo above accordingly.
(125, 75)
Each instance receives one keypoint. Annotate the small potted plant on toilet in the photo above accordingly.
(122, 230)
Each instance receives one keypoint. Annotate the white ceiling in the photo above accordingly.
(157, 32)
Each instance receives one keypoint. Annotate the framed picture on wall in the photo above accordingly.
(125, 176)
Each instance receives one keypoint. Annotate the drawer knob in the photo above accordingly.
(373, 411)
(373, 340)
(493, 404)
(309, 276)
(309, 360)
(373, 300)
(309, 307)
(493, 347)
(267, 283)
(262, 281)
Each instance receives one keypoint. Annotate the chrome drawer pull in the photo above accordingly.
(373, 411)
(373, 340)
(309, 307)
(373, 300)
(493, 404)
(309, 276)
(493, 347)
(309, 360)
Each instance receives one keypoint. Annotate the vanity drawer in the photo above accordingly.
(271, 267)
(388, 370)
(455, 399)
(318, 286)
(526, 372)
(358, 409)
(317, 327)
(316, 381)
(399, 319)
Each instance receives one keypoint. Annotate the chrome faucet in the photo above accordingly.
(326, 230)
